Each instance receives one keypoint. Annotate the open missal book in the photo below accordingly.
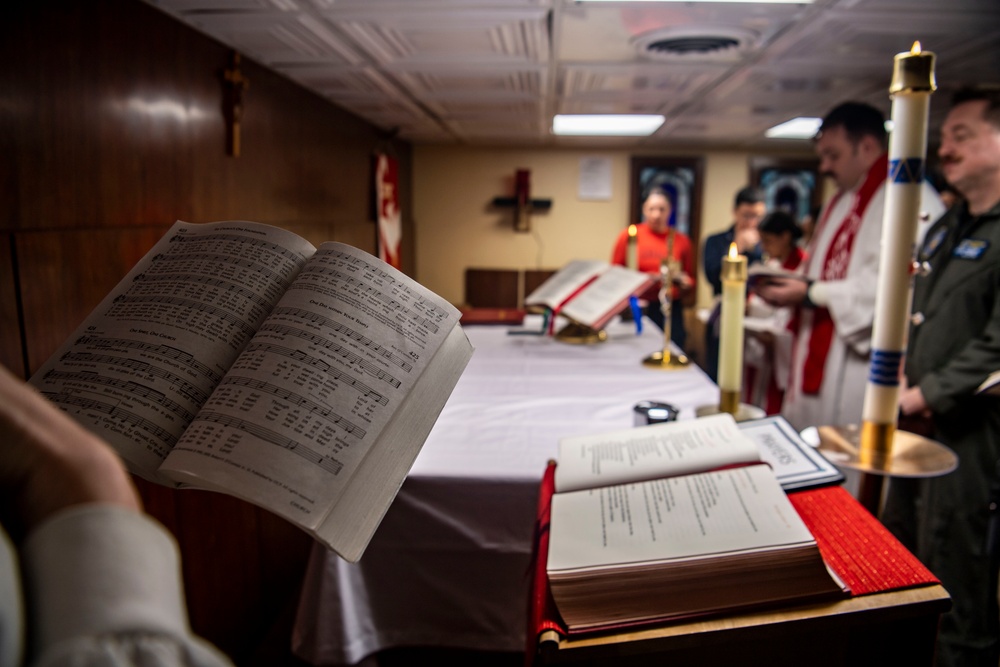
(589, 292)
(762, 274)
(716, 535)
(239, 358)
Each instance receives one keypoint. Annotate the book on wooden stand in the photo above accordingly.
(589, 292)
(719, 534)
(237, 357)
(863, 556)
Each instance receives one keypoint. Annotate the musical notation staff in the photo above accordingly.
(221, 313)
(312, 361)
(184, 388)
(340, 328)
(241, 239)
(114, 411)
(374, 293)
(227, 285)
(298, 400)
(157, 349)
(327, 463)
(364, 389)
(228, 260)
(128, 386)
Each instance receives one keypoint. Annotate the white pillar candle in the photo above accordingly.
(734, 297)
(912, 85)
(632, 251)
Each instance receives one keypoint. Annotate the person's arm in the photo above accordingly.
(618, 252)
(101, 581)
(711, 264)
(958, 379)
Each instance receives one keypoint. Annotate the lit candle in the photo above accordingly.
(632, 255)
(734, 298)
(911, 88)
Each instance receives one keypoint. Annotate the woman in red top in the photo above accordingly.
(651, 241)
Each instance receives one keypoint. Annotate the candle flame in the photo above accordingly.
(733, 252)
(632, 231)
(915, 49)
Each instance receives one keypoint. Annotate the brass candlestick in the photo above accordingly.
(665, 359)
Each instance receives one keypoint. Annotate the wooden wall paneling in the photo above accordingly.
(10, 328)
(218, 537)
(491, 288)
(124, 127)
(65, 274)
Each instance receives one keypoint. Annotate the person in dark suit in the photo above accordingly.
(748, 210)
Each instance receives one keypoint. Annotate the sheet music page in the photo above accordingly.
(602, 299)
(145, 360)
(650, 452)
(726, 511)
(554, 291)
(307, 399)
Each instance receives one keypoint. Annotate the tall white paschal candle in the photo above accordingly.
(912, 85)
(734, 298)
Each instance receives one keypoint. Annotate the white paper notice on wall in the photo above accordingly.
(595, 179)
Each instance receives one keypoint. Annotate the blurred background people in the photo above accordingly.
(652, 238)
(768, 347)
(748, 209)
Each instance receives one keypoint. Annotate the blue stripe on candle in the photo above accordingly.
(906, 170)
(885, 367)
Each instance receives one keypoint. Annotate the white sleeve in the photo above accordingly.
(103, 588)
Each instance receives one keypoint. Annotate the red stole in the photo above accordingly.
(838, 257)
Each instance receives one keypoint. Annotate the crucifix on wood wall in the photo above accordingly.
(521, 202)
(234, 84)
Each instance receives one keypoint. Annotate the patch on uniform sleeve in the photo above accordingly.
(931, 245)
(971, 248)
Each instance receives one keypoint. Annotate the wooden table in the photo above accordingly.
(893, 628)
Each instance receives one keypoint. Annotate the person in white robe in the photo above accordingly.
(835, 307)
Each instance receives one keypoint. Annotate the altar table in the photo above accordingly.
(449, 566)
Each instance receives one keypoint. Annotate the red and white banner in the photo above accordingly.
(390, 226)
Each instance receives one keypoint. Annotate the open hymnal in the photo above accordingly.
(719, 534)
(239, 358)
(589, 292)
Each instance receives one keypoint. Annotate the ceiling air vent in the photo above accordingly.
(703, 44)
(695, 43)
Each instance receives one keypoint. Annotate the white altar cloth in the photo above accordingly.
(449, 566)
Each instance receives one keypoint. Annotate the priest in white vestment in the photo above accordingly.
(835, 307)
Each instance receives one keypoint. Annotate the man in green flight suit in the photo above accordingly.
(954, 345)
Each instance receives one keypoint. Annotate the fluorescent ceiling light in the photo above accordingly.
(796, 128)
(763, 2)
(608, 125)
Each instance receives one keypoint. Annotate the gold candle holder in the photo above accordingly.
(665, 359)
